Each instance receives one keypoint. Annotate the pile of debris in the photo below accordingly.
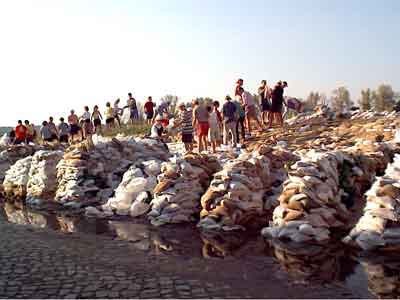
(180, 185)
(16, 178)
(235, 198)
(42, 183)
(92, 176)
(379, 227)
(320, 117)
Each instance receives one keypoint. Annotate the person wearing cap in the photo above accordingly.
(200, 121)
(229, 119)
(185, 121)
(157, 129)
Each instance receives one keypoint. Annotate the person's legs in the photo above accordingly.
(241, 121)
(226, 133)
(200, 140)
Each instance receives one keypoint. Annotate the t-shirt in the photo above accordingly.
(186, 121)
(109, 113)
(201, 113)
(86, 115)
(20, 132)
(156, 130)
(63, 128)
(30, 130)
(149, 107)
(228, 111)
(45, 132)
(213, 120)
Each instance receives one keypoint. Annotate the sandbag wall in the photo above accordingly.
(235, 197)
(379, 227)
(91, 177)
(320, 188)
(180, 186)
(16, 178)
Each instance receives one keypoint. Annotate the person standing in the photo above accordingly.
(133, 108)
(149, 110)
(96, 118)
(46, 133)
(63, 131)
(240, 120)
(200, 121)
(277, 104)
(264, 95)
(249, 109)
(215, 127)
(229, 117)
(239, 85)
(73, 122)
(109, 115)
(30, 134)
(185, 121)
(85, 121)
(20, 133)
(53, 129)
(117, 112)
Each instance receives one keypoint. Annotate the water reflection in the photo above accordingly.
(288, 261)
(383, 275)
(313, 263)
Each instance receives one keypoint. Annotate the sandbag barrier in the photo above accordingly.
(379, 227)
(318, 194)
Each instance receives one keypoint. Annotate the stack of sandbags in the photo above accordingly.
(42, 181)
(94, 175)
(235, 196)
(10, 155)
(134, 193)
(311, 200)
(379, 227)
(319, 117)
(180, 185)
(16, 179)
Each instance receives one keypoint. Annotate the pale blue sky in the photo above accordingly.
(56, 55)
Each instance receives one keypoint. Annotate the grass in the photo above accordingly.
(136, 129)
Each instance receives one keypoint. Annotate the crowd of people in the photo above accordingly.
(212, 125)
(209, 125)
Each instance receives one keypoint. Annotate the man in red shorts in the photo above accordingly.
(200, 120)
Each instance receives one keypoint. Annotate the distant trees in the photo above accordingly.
(341, 99)
(366, 99)
(384, 98)
(312, 100)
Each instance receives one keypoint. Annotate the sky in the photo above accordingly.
(61, 54)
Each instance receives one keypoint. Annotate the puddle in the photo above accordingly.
(333, 265)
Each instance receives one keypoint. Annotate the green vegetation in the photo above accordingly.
(136, 129)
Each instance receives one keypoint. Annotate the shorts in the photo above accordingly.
(18, 141)
(54, 137)
(149, 115)
(74, 129)
(29, 139)
(63, 138)
(214, 134)
(96, 122)
(110, 121)
(250, 112)
(265, 106)
(134, 114)
(87, 127)
(187, 138)
(202, 128)
(50, 139)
